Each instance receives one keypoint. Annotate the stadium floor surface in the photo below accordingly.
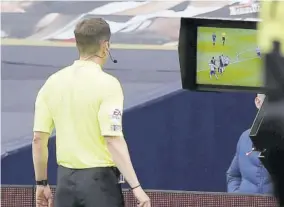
(145, 74)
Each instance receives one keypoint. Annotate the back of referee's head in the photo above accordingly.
(92, 37)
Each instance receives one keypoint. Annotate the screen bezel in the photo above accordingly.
(187, 49)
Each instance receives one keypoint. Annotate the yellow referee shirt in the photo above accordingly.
(84, 104)
(223, 34)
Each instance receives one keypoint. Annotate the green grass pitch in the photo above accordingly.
(245, 72)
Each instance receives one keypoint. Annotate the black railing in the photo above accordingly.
(24, 196)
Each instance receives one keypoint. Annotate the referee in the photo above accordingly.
(85, 106)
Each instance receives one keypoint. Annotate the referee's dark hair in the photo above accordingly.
(90, 33)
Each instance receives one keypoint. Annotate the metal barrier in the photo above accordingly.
(24, 196)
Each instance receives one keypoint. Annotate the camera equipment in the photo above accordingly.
(267, 132)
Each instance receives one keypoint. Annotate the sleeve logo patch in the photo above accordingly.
(116, 128)
(116, 114)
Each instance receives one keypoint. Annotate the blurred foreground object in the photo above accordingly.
(268, 129)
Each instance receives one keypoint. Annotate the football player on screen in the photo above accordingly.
(258, 52)
(221, 64)
(223, 38)
(212, 68)
(214, 38)
(226, 62)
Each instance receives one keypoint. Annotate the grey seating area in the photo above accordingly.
(144, 74)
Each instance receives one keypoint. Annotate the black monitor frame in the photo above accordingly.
(187, 49)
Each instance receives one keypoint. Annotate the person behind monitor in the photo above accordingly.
(246, 173)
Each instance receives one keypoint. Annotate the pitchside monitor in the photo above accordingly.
(220, 55)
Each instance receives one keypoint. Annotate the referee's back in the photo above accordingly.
(73, 96)
(84, 104)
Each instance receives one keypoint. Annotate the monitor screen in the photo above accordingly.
(228, 57)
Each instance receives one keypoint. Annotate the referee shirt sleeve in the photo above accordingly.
(110, 112)
(43, 121)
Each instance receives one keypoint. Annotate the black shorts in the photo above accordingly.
(223, 38)
(93, 187)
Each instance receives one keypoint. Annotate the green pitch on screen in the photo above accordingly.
(245, 68)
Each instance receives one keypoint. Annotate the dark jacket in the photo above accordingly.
(246, 173)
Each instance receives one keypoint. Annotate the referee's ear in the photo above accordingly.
(105, 47)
